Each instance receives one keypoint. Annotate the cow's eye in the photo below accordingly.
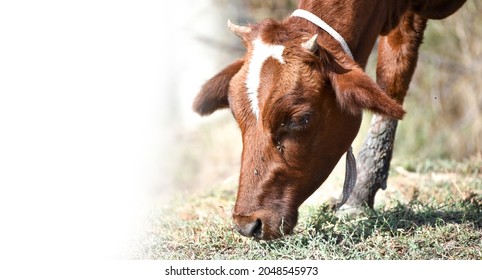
(297, 123)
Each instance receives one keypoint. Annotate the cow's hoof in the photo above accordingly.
(348, 211)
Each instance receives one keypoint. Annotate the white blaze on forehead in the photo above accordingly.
(261, 52)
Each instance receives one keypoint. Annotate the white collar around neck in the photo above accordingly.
(323, 25)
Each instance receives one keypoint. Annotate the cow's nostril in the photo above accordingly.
(258, 229)
(253, 229)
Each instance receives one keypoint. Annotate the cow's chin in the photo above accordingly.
(266, 224)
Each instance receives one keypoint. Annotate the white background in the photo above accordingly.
(81, 123)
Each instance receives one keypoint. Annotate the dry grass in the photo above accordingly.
(435, 213)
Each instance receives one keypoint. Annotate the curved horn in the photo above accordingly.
(311, 45)
(240, 31)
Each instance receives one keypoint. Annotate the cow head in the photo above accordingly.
(299, 107)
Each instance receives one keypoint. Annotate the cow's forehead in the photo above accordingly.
(260, 52)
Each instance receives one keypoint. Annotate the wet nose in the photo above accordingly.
(249, 228)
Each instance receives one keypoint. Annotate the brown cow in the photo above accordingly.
(298, 97)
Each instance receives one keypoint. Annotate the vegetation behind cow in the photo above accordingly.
(444, 103)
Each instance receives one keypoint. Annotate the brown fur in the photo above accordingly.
(213, 94)
(310, 106)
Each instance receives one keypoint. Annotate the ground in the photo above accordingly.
(431, 210)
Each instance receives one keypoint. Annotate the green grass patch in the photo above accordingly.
(446, 225)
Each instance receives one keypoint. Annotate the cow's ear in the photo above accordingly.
(356, 91)
(214, 93)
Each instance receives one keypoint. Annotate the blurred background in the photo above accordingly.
(444, 103)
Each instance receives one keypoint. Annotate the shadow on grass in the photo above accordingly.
(401, 220)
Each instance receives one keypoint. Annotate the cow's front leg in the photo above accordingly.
(373, 162)
(397, 58)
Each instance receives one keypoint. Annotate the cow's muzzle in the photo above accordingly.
(264, 224)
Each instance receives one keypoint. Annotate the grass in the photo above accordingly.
(432, 210)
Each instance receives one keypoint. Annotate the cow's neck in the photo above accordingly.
(358, 25)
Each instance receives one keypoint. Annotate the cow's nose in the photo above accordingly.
(249, 229)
